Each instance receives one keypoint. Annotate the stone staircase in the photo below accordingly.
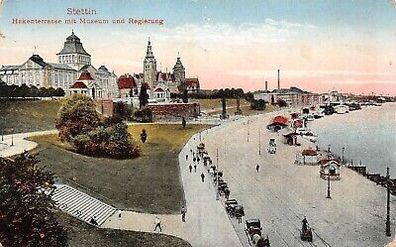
(80, 205)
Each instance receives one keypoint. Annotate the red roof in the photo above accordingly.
(79, 84)
(159, 90)
(309, 152)
(126, 82)
(191, 82)
(280, 120)
(85, 75)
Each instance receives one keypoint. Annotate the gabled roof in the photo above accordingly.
(79, 84)
(191, 82)
(126, 82)
(158, 89)
(85, 75)
(280, 119)
(73, 45)
(309, 152)
(39, 60)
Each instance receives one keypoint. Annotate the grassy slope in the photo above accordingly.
(26, 116)
(149, 183)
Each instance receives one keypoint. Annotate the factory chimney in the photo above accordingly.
(278, 79)
(266, 85)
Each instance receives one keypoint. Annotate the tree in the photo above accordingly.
(33, 91)
(282, 103)
(22, 91)
(143, 96)
(258, 105)
(122, 110)
(59, 92)
(185, 96)
(77, 115)
(26, 212)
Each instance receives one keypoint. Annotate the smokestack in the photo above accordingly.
(278, 78)
(266, 85)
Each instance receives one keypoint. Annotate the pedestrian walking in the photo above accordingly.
(194, 159)
(257, 167)
(186, 156)
(119, 213)
(190, 167)
(195, 167)
(203, 177)
(183, 213)
(198, 159)
(157, 222)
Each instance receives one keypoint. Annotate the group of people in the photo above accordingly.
(196, 159)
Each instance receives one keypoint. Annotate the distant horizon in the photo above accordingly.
(319, 47)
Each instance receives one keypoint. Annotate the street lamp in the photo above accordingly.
(12, 137)
(387, 231)
(217, 175)
(328, 185)
(342, 158)
(328, 151)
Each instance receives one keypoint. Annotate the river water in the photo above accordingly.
(368, 135)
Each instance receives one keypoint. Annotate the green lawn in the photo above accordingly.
(150, 183)
(27, 116)
(81, 234)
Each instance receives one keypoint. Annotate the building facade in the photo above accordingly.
(73, 61)
(159, 84)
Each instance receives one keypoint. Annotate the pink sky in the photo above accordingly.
(224, 55)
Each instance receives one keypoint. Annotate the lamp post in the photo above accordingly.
(342, 157)
(328, 151)
(387, 231)
(217, 174)
(12, 137)
(328, 185)
(328, 174)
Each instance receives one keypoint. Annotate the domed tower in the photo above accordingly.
(179, 72)
(149, 67)
(73, 53)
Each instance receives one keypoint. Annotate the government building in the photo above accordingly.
(159, 84)
(73, 64)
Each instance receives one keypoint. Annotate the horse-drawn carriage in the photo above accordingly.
(253, 231)
(272, 146)
(201, 149)
(234, 209)
(306, 231)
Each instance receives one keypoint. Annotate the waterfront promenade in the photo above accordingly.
(282, 193)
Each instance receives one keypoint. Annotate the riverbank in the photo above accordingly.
(282, 193)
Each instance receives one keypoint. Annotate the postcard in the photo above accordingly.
(197, 123)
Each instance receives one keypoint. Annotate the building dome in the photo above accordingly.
(73, 45)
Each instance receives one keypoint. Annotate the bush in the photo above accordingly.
(282, 103)
(258, 105)
(113, 141)
(80, 125)
(76, 116)
(145, 115)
